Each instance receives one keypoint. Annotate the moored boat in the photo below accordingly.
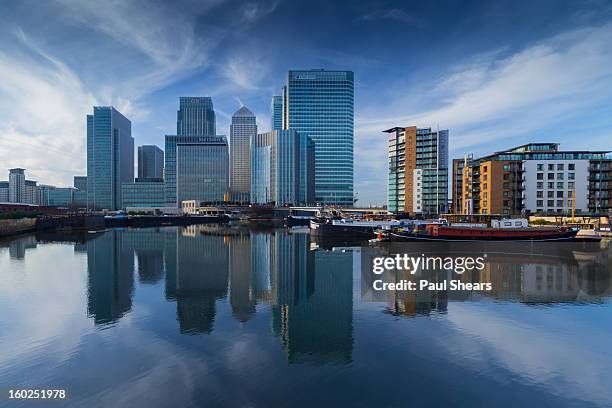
(348, 228)
(434, 232)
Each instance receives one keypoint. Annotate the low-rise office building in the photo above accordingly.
(195, 207)
(4, 191)
(61, 197)
(143, 194)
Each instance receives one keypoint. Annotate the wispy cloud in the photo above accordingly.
(43, 107)
(243, 70)
(255, 10)
(162, 37)
(395, 14)
(133, 48)
(501, 341)
(501, 98)
(506, 87)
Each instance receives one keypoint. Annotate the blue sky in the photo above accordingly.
(497, 74)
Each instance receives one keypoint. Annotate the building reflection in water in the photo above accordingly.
(309, 293)
(110, 264)
(110, 275)
(527, 273)
(242, 297)
(148, 245)
(314, 313)
(198, 271)
(18, 246)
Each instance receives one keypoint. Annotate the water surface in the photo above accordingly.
(217, 316)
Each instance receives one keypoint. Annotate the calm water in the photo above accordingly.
(210, 316)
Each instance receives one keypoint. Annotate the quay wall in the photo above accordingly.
(14, 227)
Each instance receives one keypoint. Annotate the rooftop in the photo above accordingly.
(542, 151)
(532, 147)
(243, 111)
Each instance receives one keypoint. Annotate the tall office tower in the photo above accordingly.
(197, 168)
(4, 191)
(202, 170)
(195, 117)
(418, 170)
(196, 140)
(242, 130)
(150, 163)
(80, 183)
(276, 113)
(110, 157)
(17, 187)
(284, 108)
(319, 103)
(283, 165)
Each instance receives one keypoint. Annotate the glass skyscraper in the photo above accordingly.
(195, 117)
(202, 170)
(282, 168)
(110, 157)
(276, 113)
(320, 103)
(197, 161)
(150, 163)
(242, 130)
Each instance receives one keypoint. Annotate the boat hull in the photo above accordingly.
(292, 221)
(341, 231)
(561, 237)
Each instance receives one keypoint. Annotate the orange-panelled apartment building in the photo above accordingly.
(418, 171)
(533, 178)
(492, 187)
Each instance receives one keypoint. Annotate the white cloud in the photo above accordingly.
(161, 35)
(136, 48)
(244, 71)
(543, 361)
(499, 97)
(43, 108)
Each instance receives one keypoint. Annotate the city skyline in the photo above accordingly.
(495, 76)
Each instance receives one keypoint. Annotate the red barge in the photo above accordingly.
(436, 232)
